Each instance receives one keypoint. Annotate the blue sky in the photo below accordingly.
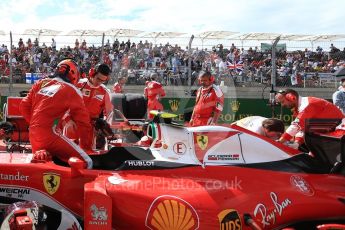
(190, 16)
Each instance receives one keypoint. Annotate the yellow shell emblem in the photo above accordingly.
(171, 213)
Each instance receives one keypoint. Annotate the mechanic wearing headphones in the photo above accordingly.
(96, 98)
(304, 108)
(209, 101)
(46, 103)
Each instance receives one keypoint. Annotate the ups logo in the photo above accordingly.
(229, 220)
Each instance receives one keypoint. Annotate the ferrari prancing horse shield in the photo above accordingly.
(51, 182)
(202, 141)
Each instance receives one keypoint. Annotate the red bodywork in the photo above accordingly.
(152, 193)
(192, 197)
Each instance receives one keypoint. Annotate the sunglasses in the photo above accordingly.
(101, 80)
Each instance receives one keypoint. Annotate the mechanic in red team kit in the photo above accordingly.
(96, 98)
(305, 108)
(46, 103)
(118, 86)
(209, 102)
(153, 92)
(269, 127)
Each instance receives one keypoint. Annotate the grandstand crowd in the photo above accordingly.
(137, 60)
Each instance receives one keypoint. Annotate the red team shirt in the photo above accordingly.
(154, 91)
(208, 101)
(96, 99)
(47, 102)
(117, 88)
(310, 107)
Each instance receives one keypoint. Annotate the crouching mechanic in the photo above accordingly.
(46, 103)
(96, 98)
(269, 127)
(209, 102)
(304, 108)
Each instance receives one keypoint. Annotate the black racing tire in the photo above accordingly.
(132, 105)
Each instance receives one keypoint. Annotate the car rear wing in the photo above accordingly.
(12, 114)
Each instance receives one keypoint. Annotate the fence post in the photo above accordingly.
(10, 86)
(190, 61)
(102, 49)
(274, 64)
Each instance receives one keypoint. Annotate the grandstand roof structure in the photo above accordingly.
(215, 34)
(163, 34)
(41, 32)
(331, 37)
(122, 32)
(290, 37)
(257, 36)
(201, 39)
(83, 33)
(114, 32)
(294, 37)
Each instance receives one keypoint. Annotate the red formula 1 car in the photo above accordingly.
(209, 177)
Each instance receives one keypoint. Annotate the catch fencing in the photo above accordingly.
(234, 61)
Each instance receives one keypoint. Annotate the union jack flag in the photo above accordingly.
(237, 65)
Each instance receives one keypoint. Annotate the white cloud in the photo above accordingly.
(243, 16)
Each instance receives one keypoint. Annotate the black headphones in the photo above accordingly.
(100, 68)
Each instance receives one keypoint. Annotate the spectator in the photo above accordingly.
(21, 43)
(29, 44)
(46, 103)
(76, 44)
(209, 102)
(83, 45)
(36, 43)
(339, 96)
(53, 44)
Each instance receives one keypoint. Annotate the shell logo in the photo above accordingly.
(171, 213)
